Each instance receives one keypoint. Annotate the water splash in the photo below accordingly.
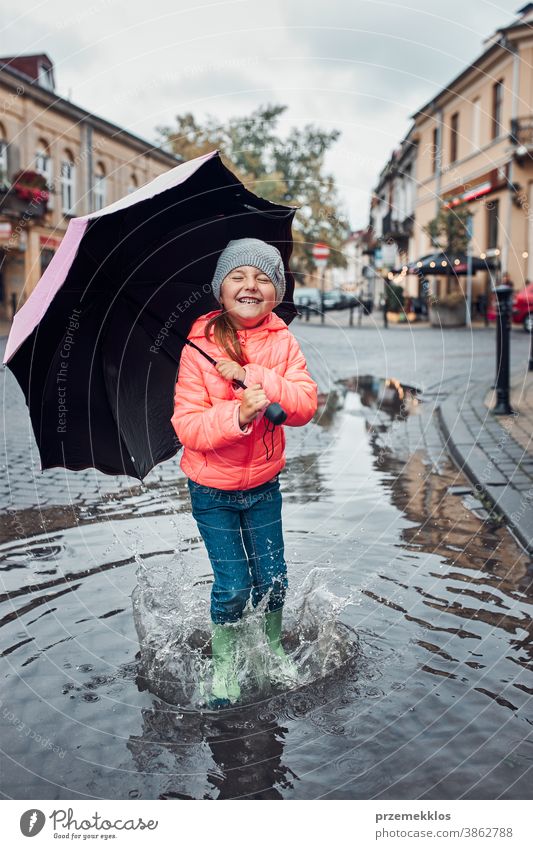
(171, 616)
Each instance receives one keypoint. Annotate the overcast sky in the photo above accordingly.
(361, 66)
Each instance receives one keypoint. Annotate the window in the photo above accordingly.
(476, 123)
(435, 149)
(497, 97)
(3, 161)
(99, 187)
(46, 76)
(68, 175)
(43, 165)
(492, 224)
(407, 192)
(132, 185)
(454, 134)
(46, 258)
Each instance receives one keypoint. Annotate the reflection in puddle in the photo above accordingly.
(409, 613)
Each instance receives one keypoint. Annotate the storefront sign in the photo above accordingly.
(51, 242)
(5, 230)
(494, 181)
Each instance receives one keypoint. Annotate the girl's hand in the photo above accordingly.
(253, 401)
(230, 370)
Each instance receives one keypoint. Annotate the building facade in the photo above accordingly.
(57, 161)
(351, 278)
(392, 210)
(474, 149)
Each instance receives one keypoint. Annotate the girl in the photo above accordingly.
(232, 454)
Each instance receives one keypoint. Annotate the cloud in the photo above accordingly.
(362, 66)
(393, 47)
(215, 80)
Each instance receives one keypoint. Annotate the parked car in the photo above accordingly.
(522, 309)
(331, 299)
(307, 297)
(338, 299)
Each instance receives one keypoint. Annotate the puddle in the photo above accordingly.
(408, 615)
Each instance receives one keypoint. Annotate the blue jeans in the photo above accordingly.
(242, 531)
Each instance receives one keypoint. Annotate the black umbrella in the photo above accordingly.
(96, 346)
(453, 264)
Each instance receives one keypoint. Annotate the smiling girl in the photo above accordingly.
(233, 473)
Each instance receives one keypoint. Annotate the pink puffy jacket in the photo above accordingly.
(206, 406)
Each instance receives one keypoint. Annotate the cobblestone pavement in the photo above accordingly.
(453, 369)
(521, 398)
(495, 452)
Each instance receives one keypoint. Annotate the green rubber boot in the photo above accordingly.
(286, 671)
(225, 688)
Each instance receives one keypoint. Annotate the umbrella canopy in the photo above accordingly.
(96, 346)
(454, 263)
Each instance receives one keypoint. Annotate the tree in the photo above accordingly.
(448, 231)
(289, 171)
(394, 297)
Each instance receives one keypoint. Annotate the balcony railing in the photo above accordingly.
(397, 229)
(13, 205)
(386, 223)
(522, 131)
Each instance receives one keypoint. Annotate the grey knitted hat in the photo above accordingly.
(250, 252)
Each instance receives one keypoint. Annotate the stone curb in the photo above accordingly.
(471, 457)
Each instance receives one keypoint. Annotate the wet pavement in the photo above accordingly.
(496, 452)
(409, 609)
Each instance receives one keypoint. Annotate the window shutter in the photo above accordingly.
(13, 160)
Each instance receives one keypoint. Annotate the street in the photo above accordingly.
(408, 609)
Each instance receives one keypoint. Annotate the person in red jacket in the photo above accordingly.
(233, 455)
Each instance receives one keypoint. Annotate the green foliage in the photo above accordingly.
(394, 297)
(287, 171)
(448, 231)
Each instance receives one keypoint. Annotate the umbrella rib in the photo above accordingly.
(177, 332)
(45, 383)
(123, 447)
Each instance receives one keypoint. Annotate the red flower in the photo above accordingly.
(30, 186)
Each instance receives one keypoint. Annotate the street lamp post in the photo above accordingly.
(469, 232)
(385, 303)
(503, 406)
(320, 256)
(492, 253)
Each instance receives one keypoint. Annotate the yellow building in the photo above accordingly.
(86, 161)
(469, 147)
(474, 146)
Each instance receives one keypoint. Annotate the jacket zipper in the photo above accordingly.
(246, 479)
(249, 457)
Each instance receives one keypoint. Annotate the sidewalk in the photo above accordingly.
(331, 319)
(521, 397)
(495, 452)
(341, 318)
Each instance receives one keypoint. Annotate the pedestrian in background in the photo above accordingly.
(506, 280)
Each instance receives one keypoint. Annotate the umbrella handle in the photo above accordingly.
(274, 412)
